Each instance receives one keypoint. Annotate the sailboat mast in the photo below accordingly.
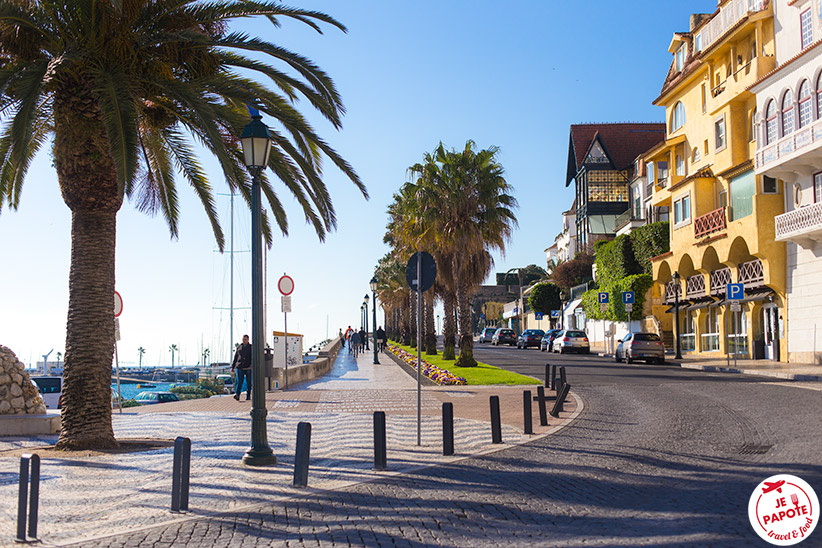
(231, 293)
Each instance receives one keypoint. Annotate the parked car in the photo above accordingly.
(51, 390)
(148, 398)
(530, 337)
(487, 334)
(547, 340)
(643, 346)
(571, 340)
(228, 382)
(504, 335)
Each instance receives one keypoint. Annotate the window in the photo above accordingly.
(743, 189)
(680, 165)
(682, 210)
(768, 185)
(787, 113)
(678, 116)
(695, 155)
(753, 126)
(698, 42)
(817, 187)
(807, 28)
(819, 97)
(680, 57)
(704, 99)
(705, 147)
(770, 123)
(651, 177)
(723, 198)
(805, 106)
(662, 167)
(719, 134)
(753, 50)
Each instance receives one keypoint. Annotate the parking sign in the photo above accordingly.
(628, 297)
(603, 297)
(735, 292)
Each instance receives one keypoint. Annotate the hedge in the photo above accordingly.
(615, 260)
(649, 241)
(638, 283)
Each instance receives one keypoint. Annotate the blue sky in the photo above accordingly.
(515, 75)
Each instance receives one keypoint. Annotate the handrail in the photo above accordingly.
(710, 222)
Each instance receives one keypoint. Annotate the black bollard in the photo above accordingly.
(447, 428)
(560, 399)
(553, 377)
(302, 454)
(547, 375)
(379, 441)
(526, 412)
(496, 427)
(34, 495)
(562, 378)
(22, 498)
(543, 417)
(180, 473)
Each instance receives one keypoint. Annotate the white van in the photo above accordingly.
(51, 390)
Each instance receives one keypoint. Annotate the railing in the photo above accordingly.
(719, 279)
(710, 342)
(623, 219)
(695, 286)
(671, 289)
(687, 342)
(751, 273)
(738, 343)
(798, 221)
(710, 223)
(662, 183)
(789, 144)
(727, 17)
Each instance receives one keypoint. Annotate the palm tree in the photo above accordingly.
(124, 89)
(172, 348)
(206, 352)
(140, 352)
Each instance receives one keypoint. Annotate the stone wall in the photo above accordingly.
(18, 396)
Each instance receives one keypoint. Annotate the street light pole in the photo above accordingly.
(373, 285)
(365, 342)
(676, 312)
(256, 145)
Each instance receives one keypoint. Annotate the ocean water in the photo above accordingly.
(130, 390)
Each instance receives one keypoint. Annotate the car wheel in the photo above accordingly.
(541, 349)
(616, 357)
(660, 361)
(629, 359)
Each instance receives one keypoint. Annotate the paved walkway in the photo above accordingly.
(84, 498)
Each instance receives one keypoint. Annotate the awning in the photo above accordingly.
(751, 295)
(573, 305)
(702, 302)
(683, 305)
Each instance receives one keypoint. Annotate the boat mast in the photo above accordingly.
(231, 292)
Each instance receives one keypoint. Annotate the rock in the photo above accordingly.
(4, 379)
(17, 403)
(16, 390)
(17, 378)
(5, 407)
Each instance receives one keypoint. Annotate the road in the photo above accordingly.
(660, 456)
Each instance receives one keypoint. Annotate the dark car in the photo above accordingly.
(548, 339)
(503, 336)
(640, 346)
(148, 398)
(530, 337)
(487, 334)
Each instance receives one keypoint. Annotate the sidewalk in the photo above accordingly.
(85, 497)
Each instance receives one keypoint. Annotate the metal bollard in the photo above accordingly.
(379, 441)
(526, 412)
(560, 399)
(562, 376)
(447, 428)
(496, 427)
(547, 375)
(302, 454)
(543, 418)
(553, 377)
(180, 474)
(28, 499)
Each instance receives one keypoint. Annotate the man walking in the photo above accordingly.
(242, 363)
(380, 339)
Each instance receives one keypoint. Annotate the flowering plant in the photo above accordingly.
(436, 374)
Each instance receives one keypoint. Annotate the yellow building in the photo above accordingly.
(721, 214)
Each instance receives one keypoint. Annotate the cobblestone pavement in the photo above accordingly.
(658, 457)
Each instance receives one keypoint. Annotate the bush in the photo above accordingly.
(638, 283)
(544, 298)
(574, 272)
(649, 241)
(615, 260)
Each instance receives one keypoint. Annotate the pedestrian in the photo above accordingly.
(380, 339)
(354, 343)
(242, 363)
(342, 339)
(363, 339)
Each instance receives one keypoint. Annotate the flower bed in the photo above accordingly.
(436, 374)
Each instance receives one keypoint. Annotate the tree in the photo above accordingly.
(544, 297)
(172, 348)
(493, 310)
(124, 89)
(140, 352)
(574, 272)
(206, 352)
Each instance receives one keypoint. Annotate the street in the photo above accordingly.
(660, 456)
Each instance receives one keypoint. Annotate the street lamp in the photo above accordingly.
(562, 309)
(365, 342)
(373, 285)
(676, 313)
(256, 144)
(362, 315)
(520, 304)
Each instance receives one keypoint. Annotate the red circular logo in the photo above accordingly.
(783, 510)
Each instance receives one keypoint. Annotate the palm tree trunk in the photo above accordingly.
(430, 333)
(466, 357)
(448, 326)
(86, 408)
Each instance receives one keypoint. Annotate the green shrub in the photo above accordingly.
(615, 260)
(638, 283)
(649, 241)
(544, 297)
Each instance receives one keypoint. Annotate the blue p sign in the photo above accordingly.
(735, 292)
(628, 297)
(603, 297)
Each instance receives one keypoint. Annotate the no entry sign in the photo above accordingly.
(285, 285)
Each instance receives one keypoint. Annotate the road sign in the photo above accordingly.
(603, 297)
(537, 315)
(629, 307)
(116, 329)
(603, 307)
(736, 307)
(286, 285)
(735, 292)
(428, 270)
(118, 304)
(628, 297)
(286, 300)
(555, 313)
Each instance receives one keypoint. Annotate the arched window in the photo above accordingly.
(753, 126)
(678, 117)
(805, 105)
(819, 97)
(787, 113)
(695, 155)
(680, 165)
(770, 123)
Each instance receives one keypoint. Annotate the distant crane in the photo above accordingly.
(46, 362)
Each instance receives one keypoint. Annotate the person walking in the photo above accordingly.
(380, 339)
(242, 363)
(363, 340)
(354, 343)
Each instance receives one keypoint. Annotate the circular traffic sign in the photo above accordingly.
(286, 285)
(118, 304)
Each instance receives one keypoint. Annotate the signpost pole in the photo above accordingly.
(419, 348)
(285, 329)
(736, 325)
(118, 309)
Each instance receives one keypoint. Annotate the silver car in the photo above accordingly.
(640, 346)
(571, 340)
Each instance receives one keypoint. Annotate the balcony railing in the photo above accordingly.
(710, 223)
(662, 183)
(727, 17)
(710, 342)
(719, 279)
(671, 289)
(695, 286)
(805, 221)
(789, 144)
(751, 273)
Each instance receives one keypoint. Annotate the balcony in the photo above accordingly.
(719, 279)
(728, 16)
(751, 274)
(710, 223)
(671, 289)
(695, 286)
(626, 222)
(779, 159)
(802, 226)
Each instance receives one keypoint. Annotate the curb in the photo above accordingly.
(754, 372)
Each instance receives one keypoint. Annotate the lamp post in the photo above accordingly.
(365, 342)
(520, 305)
(362, 315)
(256, 144)
(561, 309)
(373, 285)
(676, 314)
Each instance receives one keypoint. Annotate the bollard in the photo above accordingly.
(180, 473)
(560, 399)
(34, 495)
(379, 441)
(547, 375)
(28, 500)
(562, 378)
(302, 454)
(447, 428)
(543, 418)
(496, 427)
(553, 377)
(526, 412)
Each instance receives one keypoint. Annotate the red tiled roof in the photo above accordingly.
(622, 142)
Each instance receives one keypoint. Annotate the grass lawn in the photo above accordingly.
(481, 374)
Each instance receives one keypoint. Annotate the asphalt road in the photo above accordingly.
(660, 456)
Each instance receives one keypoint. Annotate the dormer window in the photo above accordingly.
(680, 58)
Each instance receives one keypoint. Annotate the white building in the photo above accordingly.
(787, 128)
(639, 195)
(566, 241)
